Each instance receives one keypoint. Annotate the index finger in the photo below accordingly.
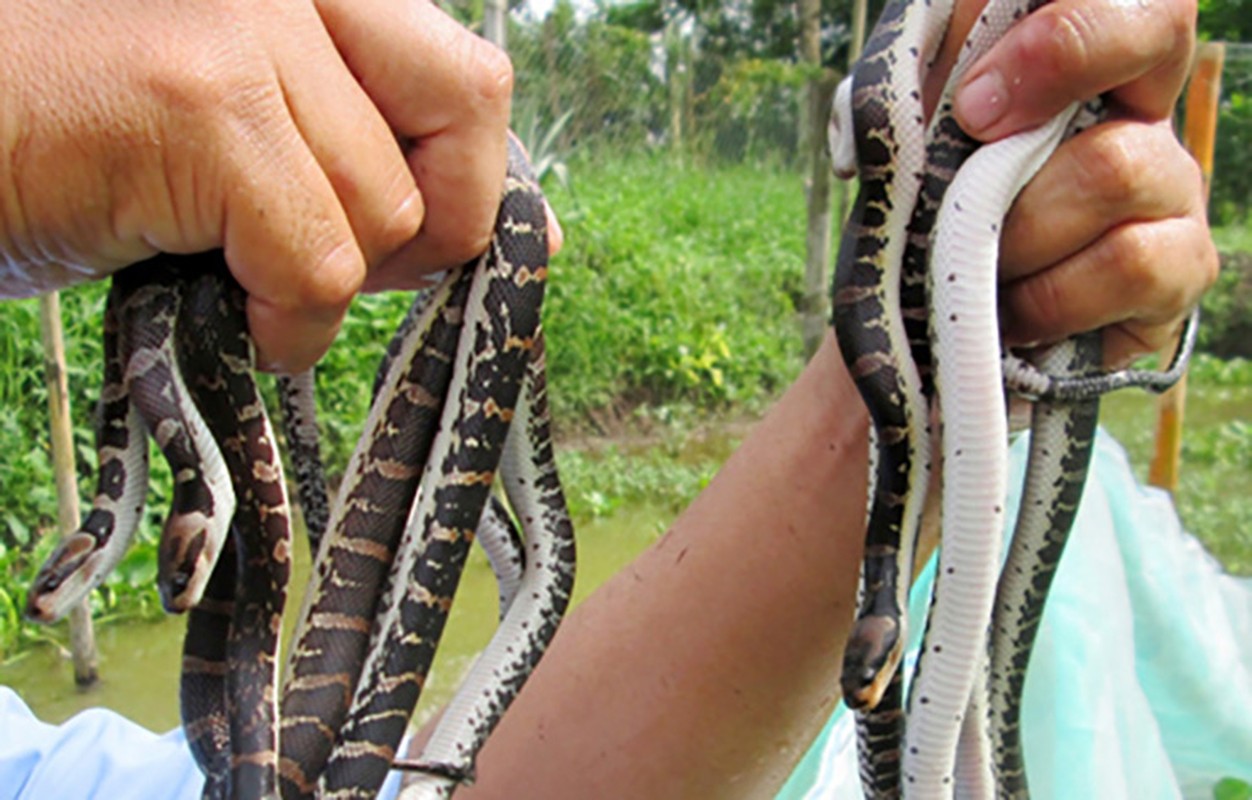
(1073, 50)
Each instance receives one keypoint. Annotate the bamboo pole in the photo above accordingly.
(82, 638)
(1199, 136)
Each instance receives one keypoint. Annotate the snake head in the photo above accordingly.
(184, 562)
(63, 579)
(869, 660)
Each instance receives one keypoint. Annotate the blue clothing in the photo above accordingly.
(96, 754)
(1140, 685)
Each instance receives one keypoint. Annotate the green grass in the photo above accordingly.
(1234, 238)
(1214, 495)
(675, 285)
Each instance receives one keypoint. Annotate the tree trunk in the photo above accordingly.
(675, 75)
(854, 52)
(817, 181)
(82, 639)
(493, 23)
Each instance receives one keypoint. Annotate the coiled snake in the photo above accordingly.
(915, 315)
(462, 387)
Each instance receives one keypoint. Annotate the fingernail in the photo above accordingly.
(982, 102)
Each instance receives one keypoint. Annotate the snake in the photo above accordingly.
(866, 316)
(1062, 439)
(534, 490)
(216, 357)
(497, 339)
(83, 559)
(467, 360)
(949, 333)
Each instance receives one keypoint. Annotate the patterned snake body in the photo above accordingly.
(498, 339)
(868, 324)
(463, 365)
(203, 498)
(958, 687)
(1062, 439)
(215, 354)
(84, 558)
(366, 526)
(970, 390)
(535, 493)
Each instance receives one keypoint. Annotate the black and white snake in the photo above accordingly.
(915, 314)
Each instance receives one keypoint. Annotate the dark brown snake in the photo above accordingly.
(459, 370)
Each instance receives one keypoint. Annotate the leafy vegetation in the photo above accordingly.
(676, 285)
(1232, 789)
(1216, 477)
(1226, 311)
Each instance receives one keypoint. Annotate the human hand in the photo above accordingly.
(326, 146)
(1112, 232)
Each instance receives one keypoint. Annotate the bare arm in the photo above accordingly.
(709, 662)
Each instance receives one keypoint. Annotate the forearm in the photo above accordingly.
(706, 667)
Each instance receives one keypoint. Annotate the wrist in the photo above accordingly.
(826, 395)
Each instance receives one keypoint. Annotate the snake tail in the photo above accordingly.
(1061, 445)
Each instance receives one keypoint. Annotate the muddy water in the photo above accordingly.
(139, 662)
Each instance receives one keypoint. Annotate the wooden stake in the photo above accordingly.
(82, 638)
(1199, 136)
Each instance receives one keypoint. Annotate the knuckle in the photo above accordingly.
(1207, 264)
(400, 227)
(334, 277)
(1159, 293)
(1062, 44)
(1109, 166)
(1194, 183)
(1180, 16)
(490, 74)
(469, 244)
(1040, 303)
(197, 83)
(1136, 249)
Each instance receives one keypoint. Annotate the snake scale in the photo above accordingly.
(914, 311)
(461, 390)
